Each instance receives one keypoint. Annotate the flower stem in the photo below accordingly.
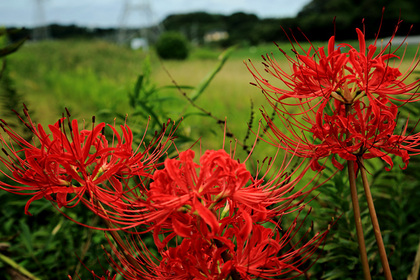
(121, 245)
(358, 220)
(234, 275)
(375, 223)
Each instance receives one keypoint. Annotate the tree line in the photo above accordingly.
(318, 20)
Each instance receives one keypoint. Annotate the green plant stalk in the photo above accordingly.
(118, 240)
(17, 267)
(358, 220)
(356, 211)
(85, 247)
(375, 223)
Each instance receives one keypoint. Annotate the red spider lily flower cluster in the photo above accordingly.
(71, 165)
(345, 103)
(208, 220)
(213, 220)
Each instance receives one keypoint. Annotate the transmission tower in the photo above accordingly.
(137, 21)
(40, 31)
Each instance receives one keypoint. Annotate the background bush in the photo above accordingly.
(172, 45)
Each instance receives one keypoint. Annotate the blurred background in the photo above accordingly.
(126, 60)
(250, 21)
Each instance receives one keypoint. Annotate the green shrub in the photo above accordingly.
(172, 45)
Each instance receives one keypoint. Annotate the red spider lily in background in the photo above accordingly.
(333, 131)
(69, 165)
(318, 76)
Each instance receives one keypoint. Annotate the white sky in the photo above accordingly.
(108, 13)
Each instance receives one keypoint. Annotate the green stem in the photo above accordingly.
(234, 274)
(358, 220)
(17, 267)
(118, 240)
(121, 245)
(375, 223)
(356, 211)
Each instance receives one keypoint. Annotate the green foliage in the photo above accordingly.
(46, 244)
(8, 48)
(11, 99)
(172, 45)
(151, 102)
(396, 198)
(340, 255)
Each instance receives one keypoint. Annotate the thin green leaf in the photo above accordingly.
(204, 83)
(11, 48)
(138, 86)
(26, 236)
(176, 87)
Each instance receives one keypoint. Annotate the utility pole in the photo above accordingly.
(40, 30)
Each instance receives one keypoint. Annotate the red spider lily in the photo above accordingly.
(67, 167)
(372, 74)
(345, 76)
(346, 134)
(185, 190)
(178, 187)
(309, 79)
(208, 221)
(263, 253)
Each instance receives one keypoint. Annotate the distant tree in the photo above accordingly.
(315, 18)
(242, 28)
(269, 30)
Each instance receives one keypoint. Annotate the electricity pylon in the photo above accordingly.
(140, 26)
(40, 30)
